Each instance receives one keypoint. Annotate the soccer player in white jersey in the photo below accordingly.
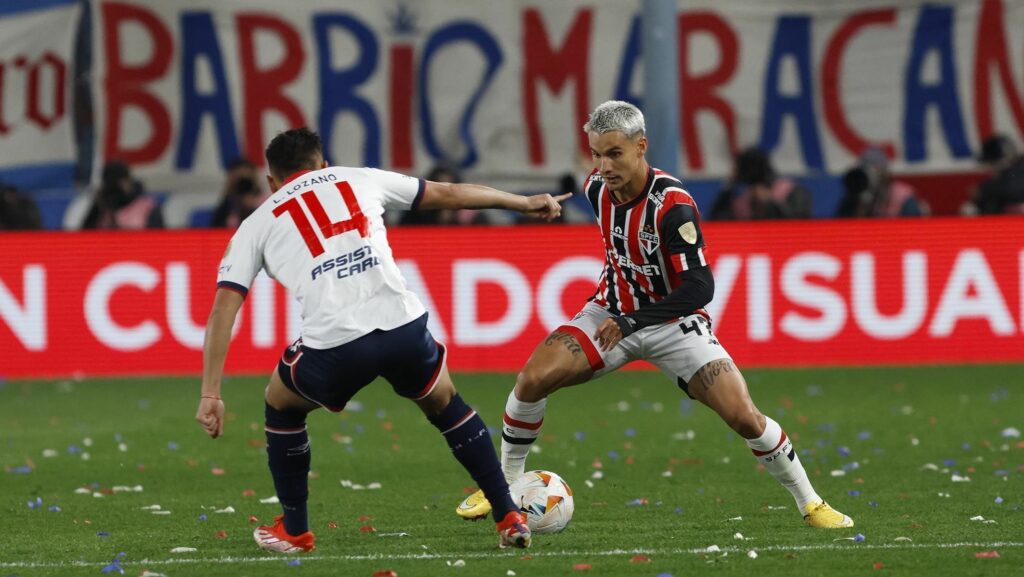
(322, 236)
(648, 305)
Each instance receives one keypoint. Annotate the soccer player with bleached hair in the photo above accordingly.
(649, 305)
(321, 234)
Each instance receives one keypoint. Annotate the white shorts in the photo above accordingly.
(679, 348)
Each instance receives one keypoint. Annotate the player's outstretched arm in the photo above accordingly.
(440, 195)
(210, 414)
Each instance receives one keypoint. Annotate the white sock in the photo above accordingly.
(775, 451)
(519, 429)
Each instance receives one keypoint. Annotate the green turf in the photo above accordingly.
(882, 425)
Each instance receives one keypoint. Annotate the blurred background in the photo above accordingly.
(904, 119)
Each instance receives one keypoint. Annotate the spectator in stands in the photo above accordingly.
(1003, 191)
(122, 202)
(756, 192)
(241, 195)
(871, 191)
(18, 211)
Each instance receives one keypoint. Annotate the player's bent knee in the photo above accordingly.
(536, 383)
(288, 419)
(748, 423)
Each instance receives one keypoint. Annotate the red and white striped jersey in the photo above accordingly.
(648, 241)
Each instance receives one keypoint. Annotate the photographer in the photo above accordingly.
(122, 203)
(241, 195)
(871, 191)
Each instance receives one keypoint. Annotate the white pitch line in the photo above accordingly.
(515, 553)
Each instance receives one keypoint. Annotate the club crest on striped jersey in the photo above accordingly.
(649, 239)
(689, 232)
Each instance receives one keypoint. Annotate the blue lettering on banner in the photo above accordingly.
(793, 40)
(630, 58)
(934, 31)
(456, 32)
(338, 87)
(199, 40)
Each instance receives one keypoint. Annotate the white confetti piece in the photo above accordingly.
(459, 563)
(735, 519)
(535, 449)
(684, 435)
(83, 491)
(184, 550)
(589, 483)
(123, 447)
(977, 518)
(777, 507)
(958, 479)
(666, 474)
(946, 495)
(127, 489)
(86, 456)
(623, 406)
(97, 494)
(902, 539)
(597, 475)
(346, 483)
(228, 509)
(373, 486)
(915, 441)
(148, 573)
(272, 500)
(357, 487)
(50, 453)
(738, 536)
(838, 473)
(161, 512)
(510, 573)
(712, 549)
(153, 507)
(989, 522)
(930, 466)
(1011, 432)
(399, 534)
(752, 554)
(87, 442)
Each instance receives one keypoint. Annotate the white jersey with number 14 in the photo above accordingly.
(322, 236)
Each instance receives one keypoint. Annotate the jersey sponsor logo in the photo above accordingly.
(617, 233)
(644, 269)
(649, 239)
(595, 178)
(689, 232)
(348, 264)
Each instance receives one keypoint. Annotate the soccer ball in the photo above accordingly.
(545, 499)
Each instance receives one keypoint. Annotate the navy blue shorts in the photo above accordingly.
(408, 357)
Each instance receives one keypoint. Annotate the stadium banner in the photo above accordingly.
(37, 145)
(793, 294)
(502, 88)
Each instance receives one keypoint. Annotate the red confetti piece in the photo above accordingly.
(526, 557)
(217, 471)
(258, 443)
(221, 534)
(878, 566)
(253, 519)
(141, 467)
(629, 460)
(332, 525)
(583, 567)
(365, 517)
(248, 493)
(640, 559)
(385, 573)
(987, 554)
(367, 529)
(469, 490)
(597, 464)
(387, 425)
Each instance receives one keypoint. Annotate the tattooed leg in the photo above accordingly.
(720, 386)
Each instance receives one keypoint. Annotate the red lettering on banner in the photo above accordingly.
(991, 50)
(400, 100)
(555, 67)
(58, 73)
(264, 87)
(125, 86)
(698, 91)
(831, 76)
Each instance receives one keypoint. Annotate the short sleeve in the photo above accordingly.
(242, 260)
(680, 232)
(399, 191)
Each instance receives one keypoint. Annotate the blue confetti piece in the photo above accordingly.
(359, 428)
(858, 537)
(54, 509)
(114, 567)
(382, 414)
(813, 390)
(613, 455)
(103, 534)
(873, 504)
(74, 449)
(1002, 472)
(864, 435)
(679, 510)
(171, 445)
(631, 432)
(579, 435)
(202, 517)
(843, 451)
(636, 503)
(118, 437)
(949, 462)
(664, 575)
(122, 555)
(144, 404)
(295, 562)
(35, 503)
(966, 446)
(853, 493)
(826, 427)
(999, 500)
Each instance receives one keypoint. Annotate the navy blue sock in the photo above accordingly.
(289, 457)
(471, 444)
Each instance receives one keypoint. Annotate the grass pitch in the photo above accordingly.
(928, 461)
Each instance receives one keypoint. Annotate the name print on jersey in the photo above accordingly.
(348, 264)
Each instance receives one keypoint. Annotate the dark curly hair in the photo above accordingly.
(292, 151)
